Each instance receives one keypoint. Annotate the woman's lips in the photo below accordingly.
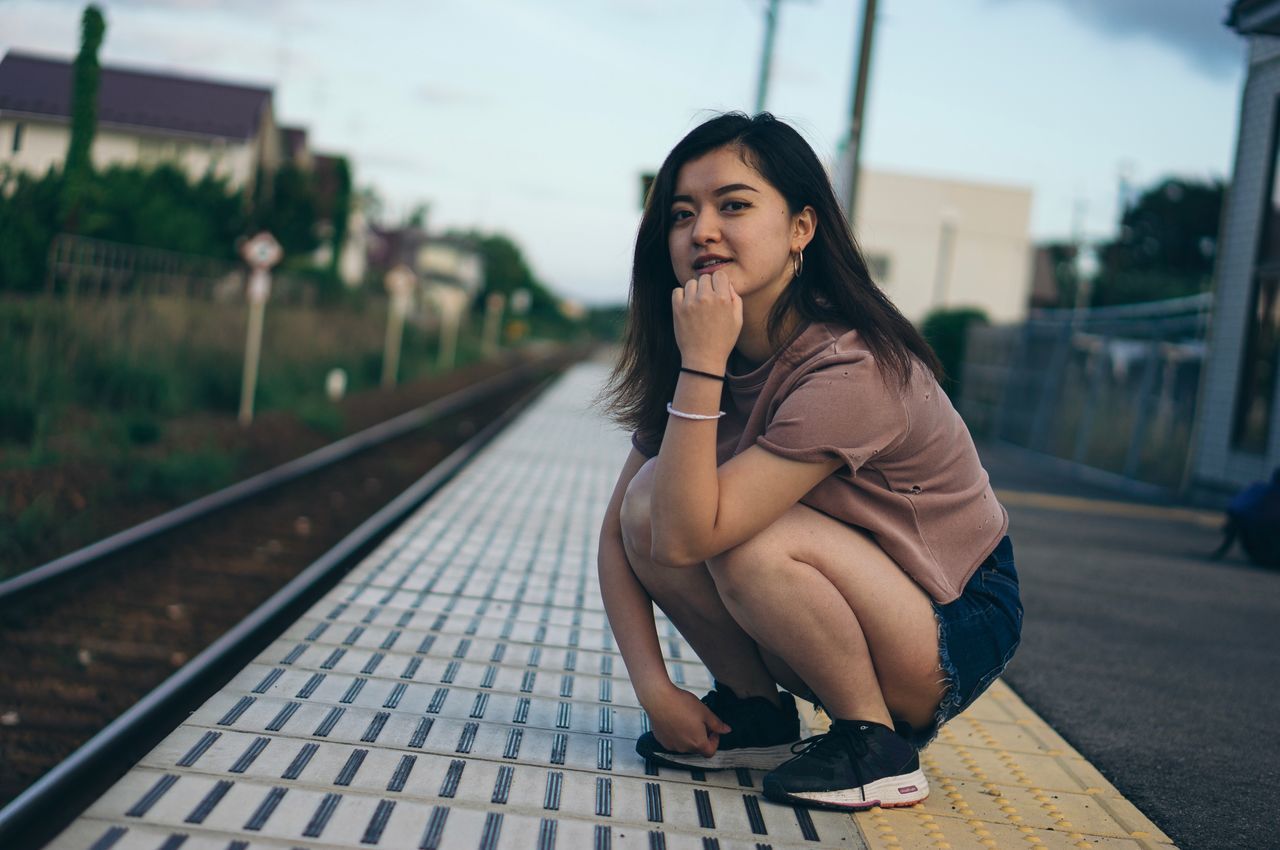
(711, 267)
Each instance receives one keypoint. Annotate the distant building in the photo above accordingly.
(1238, 428)
(933, 242)
(144, 118)
(437, 260)
(456, 262)
(1045, 289)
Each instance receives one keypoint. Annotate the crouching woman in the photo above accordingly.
(801, 499)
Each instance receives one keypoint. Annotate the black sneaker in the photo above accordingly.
(761, 739)
(856, 765)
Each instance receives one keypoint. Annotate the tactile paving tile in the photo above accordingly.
(459, 689)
(999, 776)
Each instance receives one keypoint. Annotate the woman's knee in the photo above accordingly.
(746, 568)
(634, 515)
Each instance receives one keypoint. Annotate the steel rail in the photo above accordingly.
(38, 813)
(271, 478)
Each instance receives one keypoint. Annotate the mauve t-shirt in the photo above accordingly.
(911, 474)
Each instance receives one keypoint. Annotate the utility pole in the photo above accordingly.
(766, 56)
(860, 100)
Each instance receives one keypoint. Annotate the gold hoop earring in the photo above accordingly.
(797, 264)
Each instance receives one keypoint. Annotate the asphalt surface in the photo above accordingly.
(1160, 665)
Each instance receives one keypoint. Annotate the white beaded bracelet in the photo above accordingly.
(695, 416)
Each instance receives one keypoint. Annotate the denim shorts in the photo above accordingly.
(977, 635)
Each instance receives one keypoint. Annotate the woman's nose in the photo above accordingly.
(705, 229)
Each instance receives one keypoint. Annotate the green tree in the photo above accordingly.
(84, 114)
(1166, 245)
(30, 209)
(163, 208)
(505, 271)
(341, 211)
(947, 331)
(290, 214)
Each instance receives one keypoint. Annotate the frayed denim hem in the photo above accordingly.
(950, 705)
(978, 634)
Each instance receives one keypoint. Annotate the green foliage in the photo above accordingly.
(290, 212)
(119, 381)
(142, 430)
(1130, 287)
(328, 287)
(179, 476)
(341, 212)
(505, 271)
(1166, 246)
(607, 323)
(29, 216)
(27, 530)
(17, 417)
(84, 115)
(162, 208)
(946, 331)
(323, 417)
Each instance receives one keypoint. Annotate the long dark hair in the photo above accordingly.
(835, 285)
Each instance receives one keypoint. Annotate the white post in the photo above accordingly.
(261, 252)
(451, 301)
(492, 323)
(448, 340)
(399, 282)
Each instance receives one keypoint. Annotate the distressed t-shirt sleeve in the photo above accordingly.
(842, 409)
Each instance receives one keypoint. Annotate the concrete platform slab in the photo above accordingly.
(461, 689)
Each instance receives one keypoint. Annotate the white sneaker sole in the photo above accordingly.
(890, 792)
(752, 758)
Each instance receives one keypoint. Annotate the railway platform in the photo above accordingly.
(460, 688)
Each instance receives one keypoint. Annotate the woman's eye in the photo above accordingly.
(736, 206)
(680, 215)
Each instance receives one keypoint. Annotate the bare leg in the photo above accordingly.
(838, 611)
(690, 598)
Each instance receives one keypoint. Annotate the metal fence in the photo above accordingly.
(79, 266)
(1111, 389)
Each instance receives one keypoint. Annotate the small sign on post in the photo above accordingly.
(400, 282)
(521, 301)
(261, 253)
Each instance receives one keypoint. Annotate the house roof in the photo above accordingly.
(1254, 17)
(38, 85)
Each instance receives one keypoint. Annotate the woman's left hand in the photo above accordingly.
(708, 318)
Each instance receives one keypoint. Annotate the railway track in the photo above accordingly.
(88, 636)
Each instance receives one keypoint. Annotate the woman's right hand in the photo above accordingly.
(683, 724)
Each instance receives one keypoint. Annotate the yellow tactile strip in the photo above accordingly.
(1106, 507)
(1000, 777)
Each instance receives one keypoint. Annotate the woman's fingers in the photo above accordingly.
(713, 722)
(708, 287)
(685, 724)
(707, 317)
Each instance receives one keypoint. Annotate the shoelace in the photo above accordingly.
(830, 745)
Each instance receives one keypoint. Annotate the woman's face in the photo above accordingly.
(726, 217)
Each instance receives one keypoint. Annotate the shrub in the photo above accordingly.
(946, 330)
(180, 476)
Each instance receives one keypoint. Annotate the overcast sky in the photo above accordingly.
(535, 117)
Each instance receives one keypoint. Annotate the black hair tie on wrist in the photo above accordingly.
(710, 375)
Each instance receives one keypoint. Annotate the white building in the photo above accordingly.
(143, 118)
(1237, 435)
(933, 242)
